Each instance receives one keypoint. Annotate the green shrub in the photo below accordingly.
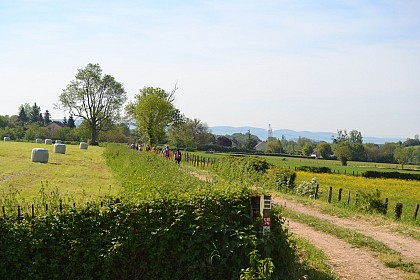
(371, 202)
(308, 188)
(284, 179)
(392, 175)
(314, 169)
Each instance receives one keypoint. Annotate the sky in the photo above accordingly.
(303, 65)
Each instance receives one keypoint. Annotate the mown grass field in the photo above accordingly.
(78, 174)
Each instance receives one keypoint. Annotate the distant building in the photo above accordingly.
(261, 146)
(54, 125)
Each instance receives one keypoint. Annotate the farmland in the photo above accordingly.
(76, 173)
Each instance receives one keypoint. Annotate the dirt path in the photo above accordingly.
(347, 261)
(408, 247)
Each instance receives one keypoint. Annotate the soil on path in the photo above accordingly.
(350, 262)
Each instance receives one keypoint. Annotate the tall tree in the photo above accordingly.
(189, 133)
(70, 122)
(153, 111)
(34, 114)
(23, 117)
(47, 117)
(94, 97)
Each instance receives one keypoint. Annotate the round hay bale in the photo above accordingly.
(39, 155)
(6, 138)
(59, 148)
(38, 140)
(83, 145)
(48, 141)
(58, 141)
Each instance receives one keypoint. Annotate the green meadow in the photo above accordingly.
(80, 175)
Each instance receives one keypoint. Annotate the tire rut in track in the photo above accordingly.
(348, 261)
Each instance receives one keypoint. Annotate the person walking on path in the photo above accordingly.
(178, 156)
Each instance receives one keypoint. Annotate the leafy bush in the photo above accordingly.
(308, 188)
(393, 175)
(284, 178)
(371, 202)
(315, 169)
(241, 168)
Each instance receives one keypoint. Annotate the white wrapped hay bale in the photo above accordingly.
(59, 148)
(6, 138)
(38, 140)
(83, 145)
(58, 141)
(39, 155)
(48, 141)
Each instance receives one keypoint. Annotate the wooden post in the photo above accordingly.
(348, 197)
(416, 210)
(46, 207)
(18, 216)
(398, 210)
(339, 194)
(330, 195)
(357, 197)
(61, 206)
(33, 211)
(385, 206)
(316, 191)
(4, 212)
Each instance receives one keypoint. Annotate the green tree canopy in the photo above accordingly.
(94, 97)
(324, 149)
(189, 133)
(273, 145)
(152, 111)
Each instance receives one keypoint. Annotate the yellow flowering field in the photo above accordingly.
(403, 191)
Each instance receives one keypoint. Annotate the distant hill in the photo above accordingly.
(292, 135)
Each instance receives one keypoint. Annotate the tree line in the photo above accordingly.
(98, 100)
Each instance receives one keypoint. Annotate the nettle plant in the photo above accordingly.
(308, 188)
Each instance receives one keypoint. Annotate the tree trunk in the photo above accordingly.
(94, 135)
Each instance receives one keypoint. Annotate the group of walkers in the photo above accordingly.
(165, 151)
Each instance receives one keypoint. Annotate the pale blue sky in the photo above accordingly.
(301, 65)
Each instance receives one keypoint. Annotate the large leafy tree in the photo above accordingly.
(349, 146)
(189, 133)
(95, 97)
(153, 111)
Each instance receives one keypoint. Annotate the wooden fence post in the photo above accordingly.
(33, 211)
(416, 210)
(398, 210)
(46, 207)
(339, 194)
(357, 197)
(316, 191)
(348, 197)
(385, 206)
(330, 194)
(18, 216)
(4, 212)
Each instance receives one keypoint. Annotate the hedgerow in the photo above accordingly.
(165, 225)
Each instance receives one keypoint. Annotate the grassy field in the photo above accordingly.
(78, 174)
